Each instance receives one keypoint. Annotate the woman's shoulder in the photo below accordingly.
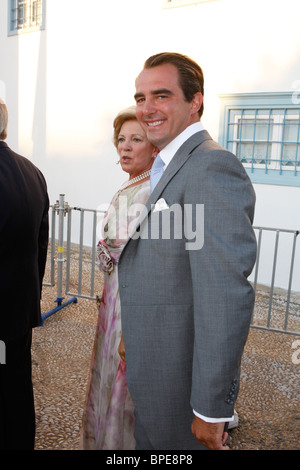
(139, 192)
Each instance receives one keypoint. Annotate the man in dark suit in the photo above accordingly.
(24, 206)
(185, 298)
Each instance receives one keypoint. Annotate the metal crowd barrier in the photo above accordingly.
(287, 299)
(269, 304)
(60, 208)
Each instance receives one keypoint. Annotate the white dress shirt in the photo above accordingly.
(168, 152)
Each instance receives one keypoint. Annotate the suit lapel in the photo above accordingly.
(179, 159)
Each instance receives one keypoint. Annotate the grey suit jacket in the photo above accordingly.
(186, 304)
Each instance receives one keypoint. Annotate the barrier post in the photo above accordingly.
(62, 208)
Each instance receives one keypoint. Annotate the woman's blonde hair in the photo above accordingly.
(127, 114)
(3, 120)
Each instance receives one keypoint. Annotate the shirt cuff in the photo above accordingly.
(213, 420)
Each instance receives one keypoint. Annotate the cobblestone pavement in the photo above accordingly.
(268, 403)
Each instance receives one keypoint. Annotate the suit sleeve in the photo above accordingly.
(223, 297)
(43, 237)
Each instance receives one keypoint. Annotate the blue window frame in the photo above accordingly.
(25, 16)
(263, 131)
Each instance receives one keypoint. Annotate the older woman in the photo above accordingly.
(108, 422)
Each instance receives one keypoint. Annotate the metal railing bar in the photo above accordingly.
(257, 258)
(80, 252)
(68, 267)
(272, 229)
(82, 296)
(290, 280)
(53, 246)
(273, 277)
(52, 251)
(275, 330)
(93, 253)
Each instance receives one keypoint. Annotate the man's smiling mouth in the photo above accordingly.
(154, 123)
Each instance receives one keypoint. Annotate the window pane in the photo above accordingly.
(246, 131)
(260, 152)
(244, 152)
(22, 7)
(262, 129)
(291, 130)
(36, 12)
(289, 153)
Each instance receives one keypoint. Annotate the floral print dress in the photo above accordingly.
(108, 421)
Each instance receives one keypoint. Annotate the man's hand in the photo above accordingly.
(211, 435)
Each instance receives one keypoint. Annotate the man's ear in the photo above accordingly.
(155, 152)
(196, 102)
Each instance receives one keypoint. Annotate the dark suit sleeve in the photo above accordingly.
(43, 238)
(223, 297)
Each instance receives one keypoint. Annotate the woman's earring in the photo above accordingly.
(117, 163)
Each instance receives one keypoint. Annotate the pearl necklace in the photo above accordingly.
(136, 179)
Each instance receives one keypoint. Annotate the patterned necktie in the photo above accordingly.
(156, 172)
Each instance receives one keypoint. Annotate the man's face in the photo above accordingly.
(161, 108)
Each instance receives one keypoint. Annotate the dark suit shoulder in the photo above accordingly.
(11, 161)
(6, 154)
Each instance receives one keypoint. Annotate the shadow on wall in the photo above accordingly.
(39, 124)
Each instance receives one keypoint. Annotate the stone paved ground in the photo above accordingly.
(268, 403)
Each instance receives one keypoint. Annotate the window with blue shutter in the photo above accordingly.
(263, 131)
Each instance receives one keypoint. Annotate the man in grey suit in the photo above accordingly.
(185, 298)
